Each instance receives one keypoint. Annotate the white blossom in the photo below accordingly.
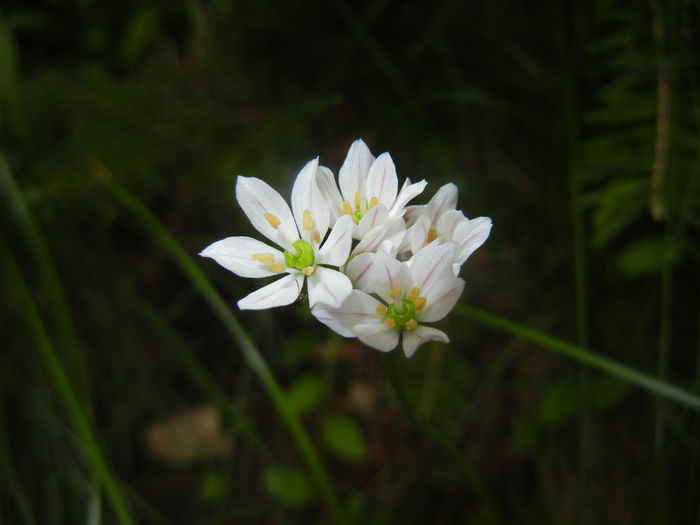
(403, 299)
(440, 219)
(368, 191)
(300, 234)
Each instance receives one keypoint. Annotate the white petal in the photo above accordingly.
(382, 181)
(412, 339)
(358, 308)
(431, 265)
(470, 235)
(258, 198)
(441, 297)
(407, 193)
(279, 293)
(386, 274)
(448, 222)
(371, 219)
(236, 254)
(307, 196)
(444, 199)
(411, 213)
(328, 286)
(336, 248)
(353, 172)
(378, 336)
(329, 189)
(358, 270)
(417, 235)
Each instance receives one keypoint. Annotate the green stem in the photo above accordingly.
(73, 355)
(250, 352)
(461, 462)
(582, 355)
(67, 395)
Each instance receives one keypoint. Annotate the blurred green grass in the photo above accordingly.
(568, 125)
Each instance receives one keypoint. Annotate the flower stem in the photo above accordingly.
(250, 352)
(582, 355)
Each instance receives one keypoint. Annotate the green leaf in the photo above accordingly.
(648, 256)
(559, 402)
(288, 484)
(344, 437)
(212, 487)
(305, 393)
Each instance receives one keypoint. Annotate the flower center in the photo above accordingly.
(303, 258)
(401, 313)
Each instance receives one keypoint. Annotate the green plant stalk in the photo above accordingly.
(582, 355)
(47, 269)
(67, 395)
(200, 375)
(461, 462)
(250, 352)
(580, 267)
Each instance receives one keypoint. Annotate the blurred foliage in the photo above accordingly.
(544, 115)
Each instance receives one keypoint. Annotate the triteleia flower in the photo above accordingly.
(440, 219)
(406, 298)
(368, 190)
(299, 232)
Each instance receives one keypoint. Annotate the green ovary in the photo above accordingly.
(401, 314)
(303, 257)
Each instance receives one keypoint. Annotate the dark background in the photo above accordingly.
(573, 125)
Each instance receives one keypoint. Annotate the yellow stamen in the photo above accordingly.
(358, 199)
(410, 324)
(373, 202)
(308, 270)
(420, 303)
(432, 234)
(306, 222)
(273, 220)
(317, 238)
(389, 322)
(265, 258)
(381, 310)
(277, 267)
(395, 293)
(347, 209)
(413, 294)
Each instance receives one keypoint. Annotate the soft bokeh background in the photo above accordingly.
(573, 125)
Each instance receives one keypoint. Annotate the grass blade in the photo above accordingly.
(582, 355)
(250, 352)
(67, 395)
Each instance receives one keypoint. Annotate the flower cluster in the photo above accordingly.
(375, 267)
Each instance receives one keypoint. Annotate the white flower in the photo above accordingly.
(440, 219)
(425, 292)
(300, 234)
(368, 190)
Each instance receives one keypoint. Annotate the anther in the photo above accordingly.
(358, 199)
(432, 234)
(317, 237)
(410, 324)
(389, 322)
(306, 222)
(395, 293)
(273, 220)
(413, 294)
(308, 270)
(380, 310)
(265, 258)
(277, 267)
(347, 209)
(373, 202)
(420, 303)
